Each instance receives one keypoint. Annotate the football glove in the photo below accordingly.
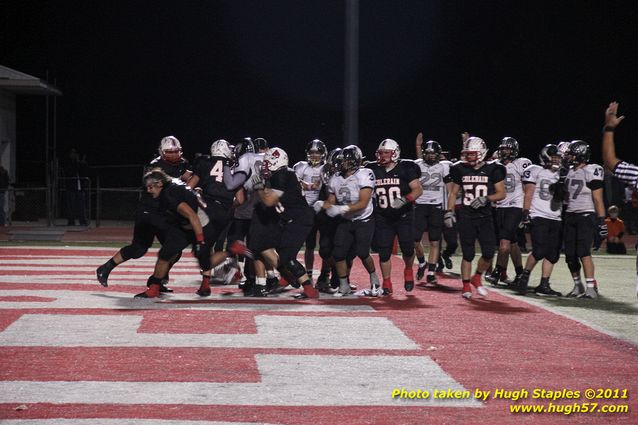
(336, 210)
(398, 203)
(602, 227)
(317, 206)
(479, 202)
(525, 220)
(449, 218)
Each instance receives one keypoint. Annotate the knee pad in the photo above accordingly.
(469, 252)
(133, 251)
(553, 257)
(325, 251)
(538, 253)
(295, 268)
(176, 259)
(385, 254)
(583, 251)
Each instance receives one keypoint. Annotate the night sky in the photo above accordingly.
(133, 72)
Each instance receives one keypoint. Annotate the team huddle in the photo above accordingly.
(245, 202)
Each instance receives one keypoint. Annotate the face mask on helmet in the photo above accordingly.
(550, 157)
(171, 150)
(316, 152)
(388, 152)
(508, 149)
(474, 150)
(260, 144)
(351, 158)
(431, 152)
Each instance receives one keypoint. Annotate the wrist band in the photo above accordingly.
(409, 197)
(608, 129)
(199, 238)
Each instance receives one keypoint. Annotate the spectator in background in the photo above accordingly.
(75, 173)
(616, 229)
(4, 187)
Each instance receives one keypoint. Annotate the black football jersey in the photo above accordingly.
(476, 183)
(210, 171)
(173, 170)
(292, 201)
(171, 196)
(393, 184)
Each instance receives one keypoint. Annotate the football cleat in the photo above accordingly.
(408, 279)
(447, 260)
(591, 292)
(546, 290)
(577, 290)
(272, 283)
(102, 275)
(493, 277)
(521, 283)
(310, 292)
(420, 271)
(203, 292)
(344, 289)
(467, 291)
(387, 288)
(259, 291)
(476, 282)
(432, 279)
(324, 286)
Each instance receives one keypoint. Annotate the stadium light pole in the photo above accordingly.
(351, 80)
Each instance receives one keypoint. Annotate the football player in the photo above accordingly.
(208, 175)
(509, 210)
(584, 187)
(187, 223)
(482, 183)
(397, 186)
(542, 211)
(309, 175)
(282, 203)
(350, 199)
(429, 207)
(150, 221)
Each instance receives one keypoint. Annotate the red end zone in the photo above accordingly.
(496, 343)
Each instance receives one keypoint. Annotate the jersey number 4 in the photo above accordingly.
(217, 171)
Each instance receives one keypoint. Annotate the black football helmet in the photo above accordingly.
(550, 156)
(242, 147)
(351, 159)
(431, 152)
(508, 149)
(260, 144)
(313, 148)
(578, 152)
(333, 162)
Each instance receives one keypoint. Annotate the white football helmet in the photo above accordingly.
(275, 159)
(170, 149)
(474, 150)
(388, 151)
(221, 148)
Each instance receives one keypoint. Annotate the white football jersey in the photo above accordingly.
(249, 164)
(513, 184)
(347, 191)
(433, 180)
(578, 184)
(543, 203)
(310, 175)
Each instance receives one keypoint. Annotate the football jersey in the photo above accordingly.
(513, 184)
(346, 190)
(476, 183)
(311, 175)
(543, 203)
(291, 201)
(433, 180)
(579, 185)
(249, 163)
(393, 184)
(173, 170)
(210, 171)
(174, 194)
